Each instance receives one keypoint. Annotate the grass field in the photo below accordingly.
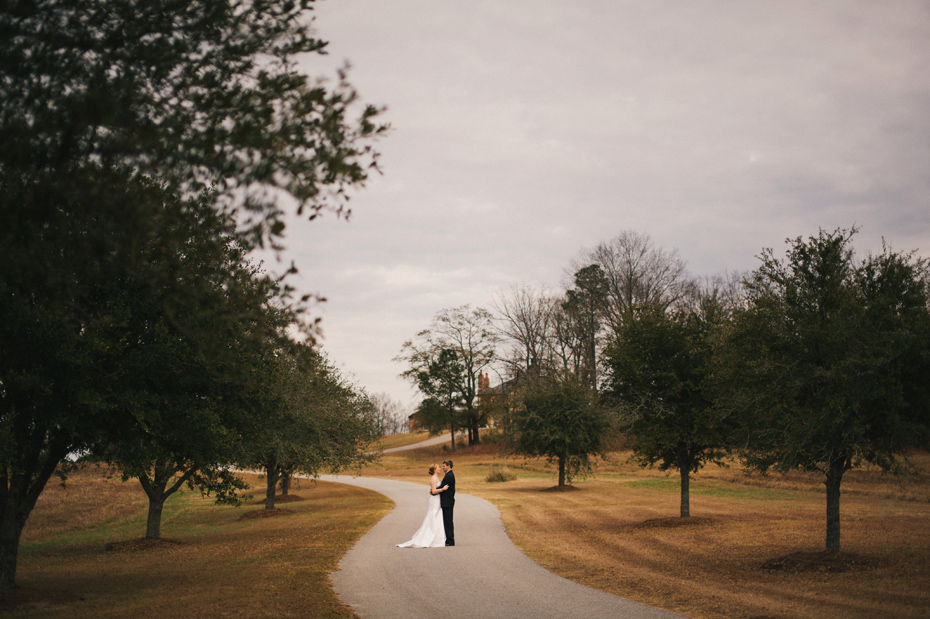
(752, 548)
(81, 555)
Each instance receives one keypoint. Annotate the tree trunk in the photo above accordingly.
(285, 484)
(153, 524)
(19, 491)
(271, 479)
(10, 530)
(834, 477)
(685, 460)
(685, 493)
(562, 470)
(452, 429)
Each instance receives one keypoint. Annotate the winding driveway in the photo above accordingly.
(484, 575)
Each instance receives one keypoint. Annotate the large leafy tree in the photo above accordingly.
(113, 116)
(312, 419)
(828, 363)
(60, 335)
(137, 285)
(440, 382)
(190, 399)
(199, 94)
(562, 421)
(659, 366)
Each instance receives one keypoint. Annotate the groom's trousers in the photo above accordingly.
(448, 525)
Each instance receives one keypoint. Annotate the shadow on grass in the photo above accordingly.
(142, 544)
(825, 561)
(35, 600)
(260, 514)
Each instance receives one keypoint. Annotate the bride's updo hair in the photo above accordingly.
(433, 468)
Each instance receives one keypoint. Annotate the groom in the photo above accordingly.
(447, 501)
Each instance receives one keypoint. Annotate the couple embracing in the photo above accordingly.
(437, 528)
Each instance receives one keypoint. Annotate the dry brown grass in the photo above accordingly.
(752, 549)
(212, 564)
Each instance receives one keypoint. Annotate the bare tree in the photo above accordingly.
(638, 273)
(525, 319)
(389, 414)
(726, 291)
(566, 341)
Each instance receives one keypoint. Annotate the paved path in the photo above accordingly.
(436, 440)
(485, 575)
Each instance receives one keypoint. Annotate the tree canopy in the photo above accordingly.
(199, 94)
(311, 420)
(659, 373)
(827, 363)
(147, 147)
(563, 421)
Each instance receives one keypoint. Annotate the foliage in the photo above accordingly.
(311, 420)
(199, 94)
(584, 307)
(562, 421)
(190, 403)
(469, 334)
(440, 382)
(127, 127)
(659, 366)
(126, 276)
(499, 474)
(828, 362)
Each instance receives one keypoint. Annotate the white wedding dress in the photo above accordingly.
(431, 533)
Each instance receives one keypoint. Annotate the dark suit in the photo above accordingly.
(447, 502)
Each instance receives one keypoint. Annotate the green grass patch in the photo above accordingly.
(713, 489)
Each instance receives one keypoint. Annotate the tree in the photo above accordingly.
(200, 94)
(311, 420)
(467, 332)
(434, 416)
(81, 347)
(585, 306)
(114, 116)
(660, 368)
(441, 382)
(637, 274)
(524, 316)
(183, 404)
(389, 414)
(563, 421)
(827, 364)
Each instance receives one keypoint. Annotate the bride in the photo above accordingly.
(431, 533)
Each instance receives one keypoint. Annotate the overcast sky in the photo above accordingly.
(526, 131)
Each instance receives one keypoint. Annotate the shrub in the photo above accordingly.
(500, 473)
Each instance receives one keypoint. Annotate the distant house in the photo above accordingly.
(495, 400)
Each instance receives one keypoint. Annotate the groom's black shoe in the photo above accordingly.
(448, 544)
